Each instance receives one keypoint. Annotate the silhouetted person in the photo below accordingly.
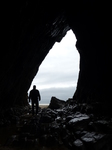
(34, 96)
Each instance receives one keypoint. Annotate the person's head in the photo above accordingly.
(34, 87)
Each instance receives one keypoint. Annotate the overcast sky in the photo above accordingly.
(58, 73)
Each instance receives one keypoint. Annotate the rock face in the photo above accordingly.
(69, 128)
(31, 28)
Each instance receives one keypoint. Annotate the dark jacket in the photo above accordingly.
(34, 96)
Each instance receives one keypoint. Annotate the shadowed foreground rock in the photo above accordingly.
(72, 127)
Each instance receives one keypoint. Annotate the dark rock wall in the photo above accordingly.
(92, 27)
(31, 28)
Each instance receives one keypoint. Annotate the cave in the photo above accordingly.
(58, 73)
(29, 31)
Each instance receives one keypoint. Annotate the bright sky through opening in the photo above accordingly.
(58, 73)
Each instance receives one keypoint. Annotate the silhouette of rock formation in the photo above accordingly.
(30, 29)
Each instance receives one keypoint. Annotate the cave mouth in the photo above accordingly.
(58, 73)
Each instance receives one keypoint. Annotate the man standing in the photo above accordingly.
(34, 96)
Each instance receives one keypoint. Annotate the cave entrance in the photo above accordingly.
(58, 73)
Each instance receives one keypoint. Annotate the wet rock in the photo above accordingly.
(56, 103)
(79, 121)
(97, 141)
(48, 116)
(101, 126)
(55, 128)
(52, 113)
(78, 145)
(58, 119)
(46, 119)
(60, 112)
(79, 117)
(88, 138)
(68, 118)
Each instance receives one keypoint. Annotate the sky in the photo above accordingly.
(58, 73)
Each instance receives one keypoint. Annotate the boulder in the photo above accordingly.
(56, 103)
(80, 121)
(48, 115)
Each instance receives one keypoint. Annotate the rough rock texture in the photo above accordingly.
(29, 30)
(69, 128)
(55, 103)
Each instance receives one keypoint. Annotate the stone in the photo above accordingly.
(78, 145)
(102, 126)
(48, 115)
(88, 138)
(68, 118)
(79, 121)
(58, 119)
(56, 103)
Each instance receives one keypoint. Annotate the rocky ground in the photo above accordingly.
(69, 126)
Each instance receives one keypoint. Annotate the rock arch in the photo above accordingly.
(31, 28)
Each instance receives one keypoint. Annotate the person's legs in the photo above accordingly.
(37, 106)
(32, 108)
